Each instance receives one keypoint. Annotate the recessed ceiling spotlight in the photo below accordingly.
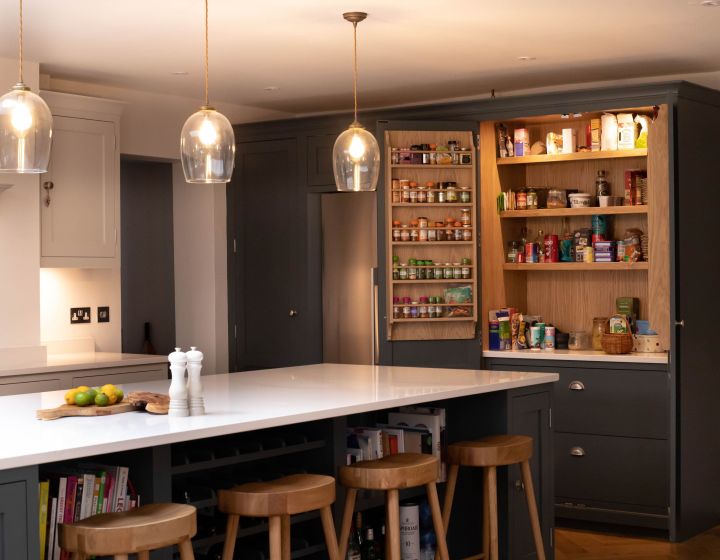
(526, 58)
(179, 73)
(710, 3)
(271, 89)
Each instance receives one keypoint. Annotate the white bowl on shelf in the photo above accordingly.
(580, 200)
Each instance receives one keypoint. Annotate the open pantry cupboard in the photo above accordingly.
(570, 294)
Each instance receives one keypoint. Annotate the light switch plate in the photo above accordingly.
(103, 314)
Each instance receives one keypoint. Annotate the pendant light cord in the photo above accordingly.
(355, 68)
(20, 39)
(207, 64)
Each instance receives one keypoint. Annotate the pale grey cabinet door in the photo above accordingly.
(79, 220)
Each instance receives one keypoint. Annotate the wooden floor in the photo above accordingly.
(572, 544)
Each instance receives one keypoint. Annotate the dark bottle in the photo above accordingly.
(354, 551)
(369, 547)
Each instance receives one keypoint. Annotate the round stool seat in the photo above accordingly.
(297, 493)
(492, 451)
(138, 530)
(404, 470)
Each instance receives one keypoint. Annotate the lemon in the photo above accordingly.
(119, 394)
(70, 396)
(109, 391)
(101, 399)
(83, 399)
(82, 388)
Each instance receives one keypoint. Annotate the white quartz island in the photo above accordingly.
(239, 402)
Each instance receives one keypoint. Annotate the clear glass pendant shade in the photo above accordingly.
(207, 147)
(25, 132)
(356, 160)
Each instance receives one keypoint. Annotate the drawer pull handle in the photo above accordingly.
(577, 452)
(576, 386)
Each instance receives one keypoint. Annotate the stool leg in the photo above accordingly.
(437, 518)
(392, 517)
(532, 509)
(144, 555)
(275, 538)
(346, 521)
(492, 506)
(186, 550)
(449, 494)
(329, 530)
(231, 531)
(486, 515)
(285, 536)
(121, 557)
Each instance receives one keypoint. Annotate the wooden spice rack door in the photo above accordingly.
(570, 294)
(448, 325)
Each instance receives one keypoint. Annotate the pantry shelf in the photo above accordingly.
(577, 266)
(432, 243)
(433, 167)
(433, 204)
(576, 156)
(453, 281)
(567, 212)
(434, 319)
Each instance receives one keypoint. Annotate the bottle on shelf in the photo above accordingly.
(540, 246)
(354, 550)
(369, 549)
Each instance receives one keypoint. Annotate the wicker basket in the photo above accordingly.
(613, 343)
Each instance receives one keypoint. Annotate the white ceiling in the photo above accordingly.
(409, 51)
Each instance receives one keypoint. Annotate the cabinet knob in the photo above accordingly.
(576, 386)
(293, 313)
(577, 451)
(48, 186)
(680, 323)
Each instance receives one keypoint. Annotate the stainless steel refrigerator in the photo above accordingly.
(349, 227)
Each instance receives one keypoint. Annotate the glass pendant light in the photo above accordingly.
(207, 141)
(25, 125)
(356, 154)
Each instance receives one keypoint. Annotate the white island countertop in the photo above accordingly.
(239, 402)
(78, 361)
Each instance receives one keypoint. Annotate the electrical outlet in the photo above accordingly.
(79, 315)
(103, 314)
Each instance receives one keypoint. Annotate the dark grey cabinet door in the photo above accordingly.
(267, 273)
(319, 160)
(13, 521)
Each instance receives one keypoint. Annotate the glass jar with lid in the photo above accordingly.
(532, 199)
(465, 216)
(598, 329)
(465, 195)
(452, 193)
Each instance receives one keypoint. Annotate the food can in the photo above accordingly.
(531, 255)
(494, 330)
(599, 224)
(551, 248)
(597, 237)
(535, 338)
(549, 343)
(620, 250)
(588, 254)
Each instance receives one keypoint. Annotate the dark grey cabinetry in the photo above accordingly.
(18, 514)
(612, 453)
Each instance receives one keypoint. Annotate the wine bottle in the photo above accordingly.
(354, 551)
(369, 546)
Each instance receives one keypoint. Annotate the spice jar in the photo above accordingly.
(405, 187)
(413, 192)
(404, 233)
(421, 194)
(423, 225)
(465, 216)
(452, 195)
(466, 272)
(406, 308)
(467, 233)
(396, 230)
(438, 271)
(441, 193)
(432, 234)
(457, 271)
(414, 310)
(402, 272)
(458, 231)
(464, 195)
(430, 192)
(423, 309)
(598, 329)
(448, 272)
(521, 199)
(414, 231)
(440, 231)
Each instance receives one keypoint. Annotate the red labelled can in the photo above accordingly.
(551, 248)
(531, 254)
(520, 257)
(598, 237)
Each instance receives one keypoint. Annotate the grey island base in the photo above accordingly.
(273, 422)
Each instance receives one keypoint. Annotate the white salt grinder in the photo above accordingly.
(194, 385)
(178, 390)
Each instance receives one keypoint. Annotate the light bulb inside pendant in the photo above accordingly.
(207, 133)
(357, 147)
(21, 118)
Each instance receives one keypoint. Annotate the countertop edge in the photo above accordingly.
(84, 364)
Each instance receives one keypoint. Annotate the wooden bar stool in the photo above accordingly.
(136, 531)
(489, 453)
(278, 500)
(391, 474)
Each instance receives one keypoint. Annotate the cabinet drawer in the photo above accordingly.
(97, 378)
(612, 402)
(611, 469)
(30, 387)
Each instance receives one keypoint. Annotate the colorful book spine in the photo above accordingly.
(87, 496)
(101, 492)
(62, 498)
(121, 489)
(52, 525)
(43, 492)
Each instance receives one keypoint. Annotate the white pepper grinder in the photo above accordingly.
(196, 401)
(178, 389)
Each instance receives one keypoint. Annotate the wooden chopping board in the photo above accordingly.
(155, 403)
(92, 410)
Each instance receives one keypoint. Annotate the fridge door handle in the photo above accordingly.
(375, 343)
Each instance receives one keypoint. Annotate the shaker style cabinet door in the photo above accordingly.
(78, 195)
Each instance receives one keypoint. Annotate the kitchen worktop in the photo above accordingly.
(239, 402)
(81, 361)
(580, 356)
